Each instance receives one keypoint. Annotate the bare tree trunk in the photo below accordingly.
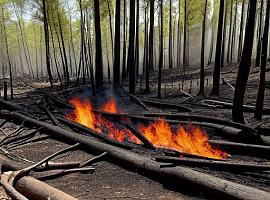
(99, 62)
(261, 90)
(234, 32)
(240, 45)
(218, 60)
(137, 49)
(259, 45)
(116, 62)
(8, 55)
(47, 42)
(63, 47)
(160, 50)
(124, 44)
(244, 67)
(19, 48)
(130, 62)
(179, 35)
(170, 36)
(110, 18)
(230, 34)
(201, 91)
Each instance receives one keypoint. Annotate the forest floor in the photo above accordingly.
(109, 181)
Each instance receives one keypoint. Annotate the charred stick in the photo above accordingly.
(58, 173)
(13, 146)
(138, 102)
(139, 135)
(93, 160)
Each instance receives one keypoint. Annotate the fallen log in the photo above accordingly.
(166, 105)
(242, 148)
(37, 190)
(223, 165)
(229, 105)
(216, 186)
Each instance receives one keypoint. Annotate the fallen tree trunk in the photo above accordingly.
(208, 183)
(229, 105)
(37, 190)
(223, 165)
(242, 148)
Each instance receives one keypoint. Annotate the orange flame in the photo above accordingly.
(110, 106)
(190, 139)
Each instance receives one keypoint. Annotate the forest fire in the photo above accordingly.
(188, 139)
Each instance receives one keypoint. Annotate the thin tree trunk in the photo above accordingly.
(160, 50)
(211, 43)
(110, 18)
(170, 36)
(218, 60)
(203, 50)
(64, 48)
(137, 49)
(8, 55)
(230, 33)
(259, 45)
(47, 42)
(240, 45)
(244, 67)
(151, 47)
(234, 32)
(99, 63)
(261, 90)
(124, 44)
(179, 35)
(130, 62)
(116, 62)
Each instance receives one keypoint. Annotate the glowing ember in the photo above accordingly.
(190, 139)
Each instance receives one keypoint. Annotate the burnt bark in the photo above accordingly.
(99, 62)
(130, 61)
(261, 90)
(244, 67)
(218, 60)
(160, 65)
(116, 62)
